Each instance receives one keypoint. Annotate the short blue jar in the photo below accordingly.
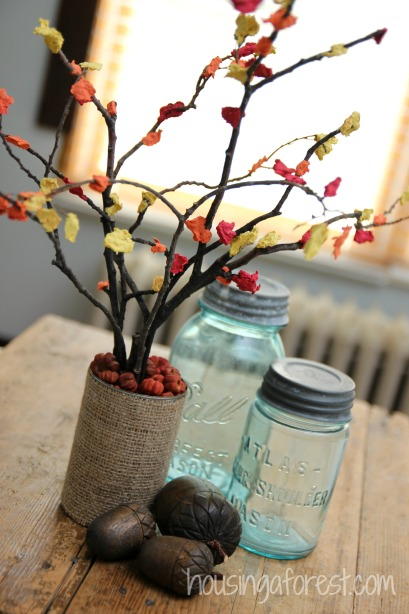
(223, 352)
(290, 454)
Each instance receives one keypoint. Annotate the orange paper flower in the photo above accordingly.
(339, 241)
(158, 248)
(101, 285)
(100, 183)
(263, 46)
(257, 164)
(280, 20)
(197, 227)
(82, 90)
(210, 69)
(152, 138)
(18, 141)
(75, 68)
(5, 101)
(302, 168)
(380, 219)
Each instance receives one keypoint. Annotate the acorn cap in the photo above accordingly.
(267, 307)
(309, 389)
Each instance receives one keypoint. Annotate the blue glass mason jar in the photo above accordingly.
(291, 450)
(223, 352)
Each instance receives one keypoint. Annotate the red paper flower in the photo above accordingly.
(82, 90)
(101, 285)
(246, 281)
(5, 101)
(178, 263)
(197, 227)
(363, 236)
(158, 248)
(232, 115)
(378, 36)
(261, 71)
(76, 191)
(332, 187)
(100, 183)
(306, 237)
(242, 52)
(288, 173)
(280, 20)
(226, 232)
(18, 141)
(112, 107)
(246, 6)
(152, 138)
(173, 109)
(17, 212)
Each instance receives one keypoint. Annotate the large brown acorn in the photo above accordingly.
(196, 509)
(120, 532)
(179, 564)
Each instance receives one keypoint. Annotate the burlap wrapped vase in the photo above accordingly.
(122, 447)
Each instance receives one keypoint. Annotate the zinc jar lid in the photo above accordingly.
(267, 307)
(309, 389)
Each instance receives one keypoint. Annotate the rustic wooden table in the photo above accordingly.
(44, 565)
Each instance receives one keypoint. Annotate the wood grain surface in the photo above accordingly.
(45, 566)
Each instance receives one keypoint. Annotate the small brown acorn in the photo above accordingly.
(119, 533)
(176, 563)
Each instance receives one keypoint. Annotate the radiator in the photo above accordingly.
(367, 345)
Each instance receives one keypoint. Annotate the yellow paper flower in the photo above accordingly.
(119, 240)
(49, 219)
(72, 226)
(157, 283)
(36, 202)
(270, 239)
(365, 215)
(336, 50)
(147, 200)
(91, 65)
(404, 198)
(116, 204)
(246, 238)
(326, 147)
(350, 124)
(236, 71)
(52, 37)
(319, 234)
(48, 185)
(246, 26)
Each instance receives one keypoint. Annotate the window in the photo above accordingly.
(153, 53)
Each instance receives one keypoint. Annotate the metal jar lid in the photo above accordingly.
(267, 307)
(309, 389)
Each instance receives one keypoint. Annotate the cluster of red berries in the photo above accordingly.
(162, 380)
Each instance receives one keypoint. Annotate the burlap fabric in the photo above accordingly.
(121, 451)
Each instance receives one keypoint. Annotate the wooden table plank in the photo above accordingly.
(46, 568)
(384, 537)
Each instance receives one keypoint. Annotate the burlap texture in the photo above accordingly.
(122, 447)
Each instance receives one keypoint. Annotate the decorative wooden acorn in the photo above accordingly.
(176, 563)
(194, 508)
(119, 533)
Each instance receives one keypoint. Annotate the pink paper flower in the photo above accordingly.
(363, 236)
(225, 232)
(332, 187)
(178, 263)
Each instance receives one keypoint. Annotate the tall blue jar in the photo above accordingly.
(291, 450)
(223, 352)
